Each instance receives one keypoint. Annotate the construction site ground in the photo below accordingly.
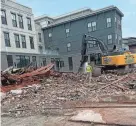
(45, 98)
(114, 116)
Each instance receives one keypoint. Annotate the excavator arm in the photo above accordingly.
(85, 41)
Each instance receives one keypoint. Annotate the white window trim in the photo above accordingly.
(50, 35)
(110, 39)
(67, 30)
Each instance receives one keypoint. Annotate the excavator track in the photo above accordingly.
(121, 71)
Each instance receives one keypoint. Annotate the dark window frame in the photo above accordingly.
(31, 42)
(119, 24)
(23, 41)
(70, 62)
(7, 41)
(3, 18)
(29, 23)
(14, 21)
(40, 37)
(23, 60)
(17, 42)
(10, 60)
(21, 23)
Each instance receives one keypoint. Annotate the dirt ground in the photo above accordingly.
(119, 116)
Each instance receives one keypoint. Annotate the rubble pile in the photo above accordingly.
(24, 76)
(55, 91)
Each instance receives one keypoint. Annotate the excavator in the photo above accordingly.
(117, 58)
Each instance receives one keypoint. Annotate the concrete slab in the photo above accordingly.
(112, 116)
(88, 115)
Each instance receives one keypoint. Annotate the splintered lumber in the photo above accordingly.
(115, 82)
(39, 71)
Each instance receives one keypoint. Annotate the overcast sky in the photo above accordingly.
(58, 7)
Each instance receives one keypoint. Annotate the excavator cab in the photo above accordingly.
(117, 57)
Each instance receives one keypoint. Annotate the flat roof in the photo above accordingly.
(85, 15)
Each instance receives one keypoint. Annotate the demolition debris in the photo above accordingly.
(38, 90)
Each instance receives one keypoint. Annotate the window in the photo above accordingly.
(22, 61)
(93, 26)
(108, 22)
(89, 27)
(17, 41)
(119, 40)
(9, 60)
(3, 17)
(14, 21)
(44, 62)
(52, 60)
(109, 39)
(115, 19)
(92, 44)
(69, 47)
(40, 37)
(119, 24)
(34, 58)
(29, 23)
(70, 63)
(50, 35)
(67, 32)
(20, 18)
(61, 64)
(23, 40)
(31, 42)
(7, 39)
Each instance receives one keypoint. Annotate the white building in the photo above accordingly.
(18, 35)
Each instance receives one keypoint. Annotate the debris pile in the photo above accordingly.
(62, 88)
(24, 76)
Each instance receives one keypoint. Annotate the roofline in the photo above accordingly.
(72, 13)
(42, 17)
(91, 13)
(129, 38)
(20, 4)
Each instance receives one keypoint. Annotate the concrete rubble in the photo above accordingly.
(59, 89)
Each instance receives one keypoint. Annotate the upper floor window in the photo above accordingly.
(119, 24)
(3, 17)
(7, 39)
(67, 32)
(50, 35)
(20, 18)
(108, 22)
(92, 44)
(93, 26)
(17, 41)
(23, 40)
(40, 37)
(14, 20)
(109, 39)
(89, 27)
(69, 47)
(31, 42)
(29, 24)
(115, 19)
